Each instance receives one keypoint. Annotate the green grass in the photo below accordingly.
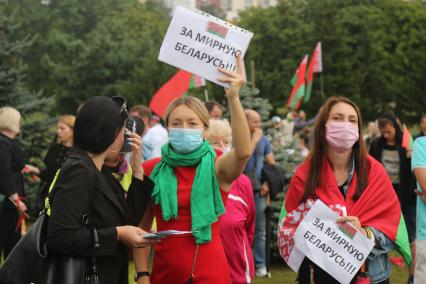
(284, 275)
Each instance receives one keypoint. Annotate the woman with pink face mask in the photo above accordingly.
(340, 173)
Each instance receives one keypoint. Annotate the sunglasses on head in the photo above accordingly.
(121, 102)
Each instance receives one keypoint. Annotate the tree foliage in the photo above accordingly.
(95, 47)
(373, 52)
(14, 91)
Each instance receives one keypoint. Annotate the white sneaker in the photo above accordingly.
(261, 272)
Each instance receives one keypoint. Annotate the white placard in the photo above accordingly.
(200, 43)
(340, 249)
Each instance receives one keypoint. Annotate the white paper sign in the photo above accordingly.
(340, 249)
(200, 43)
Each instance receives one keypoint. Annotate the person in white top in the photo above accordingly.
(154, 139)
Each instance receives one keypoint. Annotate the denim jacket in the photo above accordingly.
(379, 266)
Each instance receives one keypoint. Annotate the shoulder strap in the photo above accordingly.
(86, 216)
(51, 193)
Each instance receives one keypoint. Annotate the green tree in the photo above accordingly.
(372, 51)
(95, 47)
(35, 134)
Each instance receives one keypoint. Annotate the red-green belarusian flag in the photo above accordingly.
(407, 139)
(175, 88)
(315, 65)
(196, 82)
(298, 83)
(216, 29)
(378, 208)
(347, 229)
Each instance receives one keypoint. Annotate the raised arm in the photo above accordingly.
(230, 166)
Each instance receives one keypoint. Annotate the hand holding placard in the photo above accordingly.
(338, 248)
(234, 79)
(200, 43)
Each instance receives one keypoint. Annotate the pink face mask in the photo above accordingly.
(341, 135)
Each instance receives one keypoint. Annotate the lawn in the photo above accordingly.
(284, 275)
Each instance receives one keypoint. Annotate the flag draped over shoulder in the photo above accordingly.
(315, 65)
(378, 207)
(175, 88)
(298, 83)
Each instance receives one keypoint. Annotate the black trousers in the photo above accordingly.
(320, 276)
(8, 236)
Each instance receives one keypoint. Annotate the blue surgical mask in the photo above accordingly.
(185, 140)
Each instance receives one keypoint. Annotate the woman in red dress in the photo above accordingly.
(191, 185)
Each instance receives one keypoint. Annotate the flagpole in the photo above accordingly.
(206, 94)
(322, 84)
(253, 75)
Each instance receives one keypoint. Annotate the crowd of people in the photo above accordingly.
(113, 174)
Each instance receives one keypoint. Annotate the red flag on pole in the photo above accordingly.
(315, 65)
(318, 60)
(298, 83)
(175, 88)
(196, 82)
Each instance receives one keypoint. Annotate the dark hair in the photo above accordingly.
(97, 125)
(211, 104)
(141, 110)
(389, 118)
(318, 151)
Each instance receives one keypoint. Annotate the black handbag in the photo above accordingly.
(30, 262)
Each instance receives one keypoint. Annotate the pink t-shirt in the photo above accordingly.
(237, 230)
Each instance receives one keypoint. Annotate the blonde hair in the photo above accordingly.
(67, 119)
(10, 119)
(194, 104)
(219, 128)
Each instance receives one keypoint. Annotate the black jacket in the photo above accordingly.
(407, 182)
(275, 177)
(55, 157)
(12, 161)
(65, 232)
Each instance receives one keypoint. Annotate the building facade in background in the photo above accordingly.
(171, 4)
(230, 7)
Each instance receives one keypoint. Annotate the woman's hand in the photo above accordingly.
(28, 169)
(21, 207)
(354, 221)
(132, 237)
(235, 79)
(136, 155)
(264, 189)
(144, 280)
(19, 204)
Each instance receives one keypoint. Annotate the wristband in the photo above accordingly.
(141, 274)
